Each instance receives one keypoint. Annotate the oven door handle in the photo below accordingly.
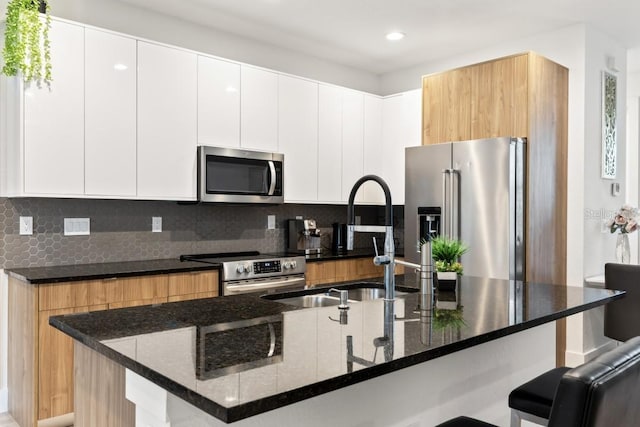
(232, 289)
(272, 170)
(272, 344)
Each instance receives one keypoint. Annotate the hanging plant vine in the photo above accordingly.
(27, 48)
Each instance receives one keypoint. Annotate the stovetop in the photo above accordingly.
(222, 257)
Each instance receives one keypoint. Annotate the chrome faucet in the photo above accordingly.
(389, 250)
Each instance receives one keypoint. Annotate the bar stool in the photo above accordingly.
(601, 393)
(532, 401)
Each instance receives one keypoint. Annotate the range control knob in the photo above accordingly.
(294, 264)
(243, 268)
(286, 265)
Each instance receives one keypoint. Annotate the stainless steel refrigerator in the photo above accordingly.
(473, 191)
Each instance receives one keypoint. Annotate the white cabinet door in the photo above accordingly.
(110, 114)
(218, 103)
(352, 142)
(54, 119)
(167, 123)
(373, 159)
(298, 137)
(401, 128)
(329, 144)
(259, 109)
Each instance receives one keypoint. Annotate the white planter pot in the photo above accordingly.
(447, 280)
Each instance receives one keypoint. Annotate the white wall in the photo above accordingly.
(3, 342)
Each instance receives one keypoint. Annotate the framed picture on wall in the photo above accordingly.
(609, 130)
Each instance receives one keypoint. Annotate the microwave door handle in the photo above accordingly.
(272, 170)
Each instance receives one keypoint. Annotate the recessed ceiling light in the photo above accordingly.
(395, 35)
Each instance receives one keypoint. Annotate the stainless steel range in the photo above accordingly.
(245, 272)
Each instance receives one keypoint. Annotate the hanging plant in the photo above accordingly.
(26, 41)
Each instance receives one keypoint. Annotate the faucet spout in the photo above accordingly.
(387, 229)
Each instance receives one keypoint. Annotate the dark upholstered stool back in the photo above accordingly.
(604, 392)
(622, 317)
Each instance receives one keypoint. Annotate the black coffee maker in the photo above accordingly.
(339, 239)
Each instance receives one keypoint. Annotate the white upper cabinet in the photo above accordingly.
(54, 120)
(402, 124)
(110, 114)
(372, 152)
(167, 123)
(330, 144)
(298, 137)
(259, 109)
(218, 102)
(352, 142)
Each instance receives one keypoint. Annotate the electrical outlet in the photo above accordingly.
(271, 222)
(77, 226)
(299, 217)
(26, 225)
(156, 224)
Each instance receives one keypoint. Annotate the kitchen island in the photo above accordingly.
(211, 361)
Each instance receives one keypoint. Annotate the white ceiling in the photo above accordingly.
(351, 32)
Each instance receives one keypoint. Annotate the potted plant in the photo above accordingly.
(446, 254)
(26, 41)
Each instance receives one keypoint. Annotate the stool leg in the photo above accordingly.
(516, 421)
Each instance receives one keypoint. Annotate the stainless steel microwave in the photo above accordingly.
(239, 176)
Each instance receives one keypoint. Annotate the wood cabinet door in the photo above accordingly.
(55, 364)
(194, 282)
(320, 272)
(499, 98)
(446, 107)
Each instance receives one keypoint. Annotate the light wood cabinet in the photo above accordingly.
(41, 357)
(523, 96)
(334, 271)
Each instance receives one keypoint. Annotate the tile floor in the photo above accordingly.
(7, 421)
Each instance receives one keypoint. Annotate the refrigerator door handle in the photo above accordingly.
(454, 211)
(445, 232)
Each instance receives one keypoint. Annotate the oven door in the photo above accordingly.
(239, 176)
(265, 286)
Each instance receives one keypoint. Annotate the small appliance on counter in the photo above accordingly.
(304, 236)
(339, 238)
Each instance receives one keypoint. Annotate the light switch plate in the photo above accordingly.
(271, 222)
(156, 224)
(77, 226)
(26, 225)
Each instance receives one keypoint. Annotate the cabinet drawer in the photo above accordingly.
(186, 297)
(193, 283)
(53, 296)
(144, 287)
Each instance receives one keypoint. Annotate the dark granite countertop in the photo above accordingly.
(315, 353)
(72, 273)
(327, 255)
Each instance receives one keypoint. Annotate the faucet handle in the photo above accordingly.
(375, 246)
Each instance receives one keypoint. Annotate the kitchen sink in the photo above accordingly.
(323, 298)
